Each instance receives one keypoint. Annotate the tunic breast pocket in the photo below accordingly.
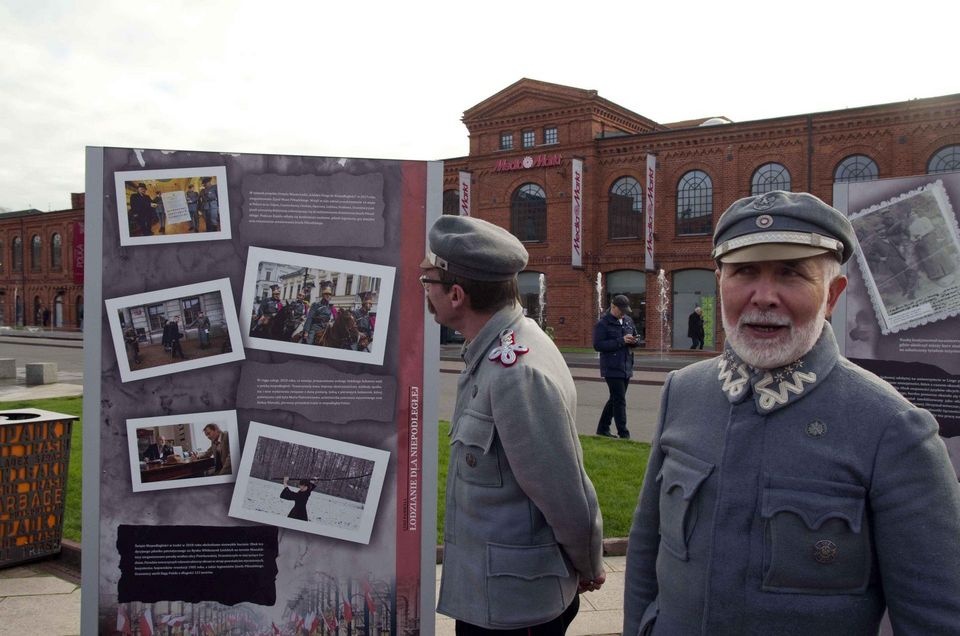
(477, 457)
(815, 539)
(680, 478)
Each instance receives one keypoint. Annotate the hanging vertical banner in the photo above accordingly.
(649, 210)
(576, 204)
(465, 194)
(266, 454)
(78, 252)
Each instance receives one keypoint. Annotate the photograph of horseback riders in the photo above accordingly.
(316, 306)
(176, 329)
(172, 206)
(309, 483)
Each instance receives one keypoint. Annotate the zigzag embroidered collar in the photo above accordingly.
(775, 388)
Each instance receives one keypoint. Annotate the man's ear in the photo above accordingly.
(837, 285)
(458, 297)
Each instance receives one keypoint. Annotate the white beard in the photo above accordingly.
(774, 352)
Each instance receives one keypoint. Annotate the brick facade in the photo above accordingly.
(43, 283)
(614, 142)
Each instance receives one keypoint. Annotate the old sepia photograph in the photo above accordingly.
(909, 253)
(176, 329)
(172, 206)
(309, 483)
(178, 451)
(316, 306)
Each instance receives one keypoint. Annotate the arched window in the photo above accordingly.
(947, 159)
(769, 177)
(695, 203)
(528, 213)
(451, 202)
(56, 251)
(16, 254)
(35, 253)
(856, 168)
(625, 210)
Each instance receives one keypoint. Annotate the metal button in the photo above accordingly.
(471, 460)
(825, 551)
(816, 429)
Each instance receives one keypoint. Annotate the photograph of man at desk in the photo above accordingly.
(179, 451)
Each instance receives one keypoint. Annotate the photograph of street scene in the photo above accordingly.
(315, 306)
(172, 330)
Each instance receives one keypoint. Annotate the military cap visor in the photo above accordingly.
(781, 225)
(473, 248)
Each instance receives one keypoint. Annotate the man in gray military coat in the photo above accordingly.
(798, 494)
(522, 532)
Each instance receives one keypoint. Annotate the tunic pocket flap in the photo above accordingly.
(528, 562)
(813, 508)
(474, 429)
(683, 470)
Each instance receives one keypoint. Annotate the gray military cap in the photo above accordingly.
(473, 248)
(781, 226)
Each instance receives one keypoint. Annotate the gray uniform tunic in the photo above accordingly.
(798, 501)
(522, 521)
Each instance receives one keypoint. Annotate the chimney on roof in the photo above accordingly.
(77, 200)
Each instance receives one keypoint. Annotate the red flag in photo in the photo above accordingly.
(315, 623)
(146, 623)
(368, 595)
(123, 621)
(347, 611)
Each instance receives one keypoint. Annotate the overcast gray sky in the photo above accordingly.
(392, 79)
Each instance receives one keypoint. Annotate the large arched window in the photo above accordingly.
(528, 213)
(16, 254)
(856, 168)
(625, 210)
(56, 251)
(695, 203)
(35, 253)
(947, 159)
(769, 177)
(451, 202)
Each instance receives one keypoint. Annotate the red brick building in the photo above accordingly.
(41, 267)
(523, 141)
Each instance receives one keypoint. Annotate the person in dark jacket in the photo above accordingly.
(695, 328)
(298, 497)
(615, 336)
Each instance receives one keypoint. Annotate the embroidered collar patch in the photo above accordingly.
(730, 365)
(508, 349)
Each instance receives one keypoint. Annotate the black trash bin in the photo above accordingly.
(34, 457)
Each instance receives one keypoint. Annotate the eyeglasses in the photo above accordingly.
(430, 281)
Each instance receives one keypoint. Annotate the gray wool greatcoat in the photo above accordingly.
(522, 522)
(799, 501)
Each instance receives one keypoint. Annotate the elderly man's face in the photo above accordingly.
(213, 434)
(773, 311)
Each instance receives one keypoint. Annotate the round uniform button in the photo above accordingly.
(471, 460)
(816, 429)
(825, 551)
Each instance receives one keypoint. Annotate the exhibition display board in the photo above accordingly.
(259, 411)
(900, 315)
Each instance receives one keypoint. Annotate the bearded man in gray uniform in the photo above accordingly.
(522, 532)
(798, 494)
